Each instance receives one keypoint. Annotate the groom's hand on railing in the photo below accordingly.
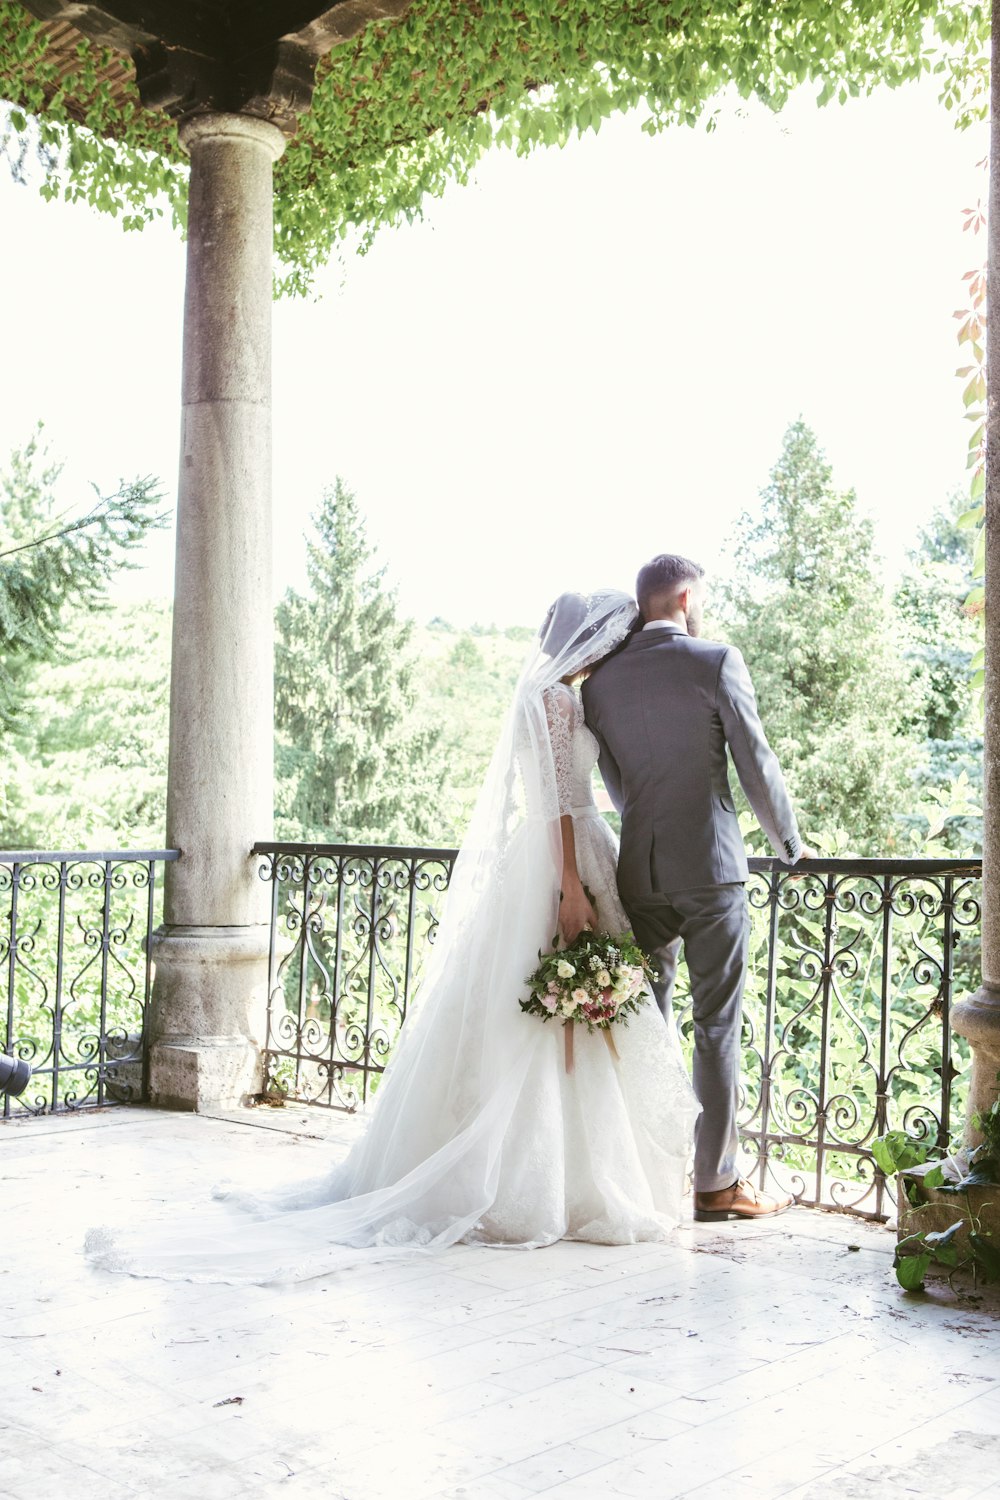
(805, 854)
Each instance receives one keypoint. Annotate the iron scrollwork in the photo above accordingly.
(74, 931)
(846, 1034)
(352, 926)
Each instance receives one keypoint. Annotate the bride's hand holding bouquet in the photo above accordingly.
(598, 981)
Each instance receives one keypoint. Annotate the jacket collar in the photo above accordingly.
(643, 639)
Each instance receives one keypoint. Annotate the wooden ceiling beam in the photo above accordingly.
(228, 56)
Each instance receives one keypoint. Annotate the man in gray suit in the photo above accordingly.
(664, 708)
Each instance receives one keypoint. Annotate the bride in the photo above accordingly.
(481, 1133)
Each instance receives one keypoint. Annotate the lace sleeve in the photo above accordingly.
(560, 713)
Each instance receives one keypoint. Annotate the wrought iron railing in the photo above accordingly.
(351, 927)
(75, 974)
(847, 1030)
(846, 1034)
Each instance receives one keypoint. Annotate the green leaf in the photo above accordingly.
(939, 1240)
(896, 1152)
(987, 1255)
(910, 1272)
(979, 555)
(983, 1174)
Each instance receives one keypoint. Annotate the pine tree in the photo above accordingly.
(54, 571)
(89, 766)
(353, 765)
(940, 642)
(52, 564)
(806, 604)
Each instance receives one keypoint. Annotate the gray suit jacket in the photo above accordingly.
(663, 711)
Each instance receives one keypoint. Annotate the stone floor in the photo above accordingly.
(739, 1362)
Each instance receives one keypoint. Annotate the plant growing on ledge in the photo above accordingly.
(964, 1245)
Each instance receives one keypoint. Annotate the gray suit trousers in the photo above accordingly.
(713, 923)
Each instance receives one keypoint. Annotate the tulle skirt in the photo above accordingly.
(480, 1132)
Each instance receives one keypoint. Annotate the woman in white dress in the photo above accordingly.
(480, 1133)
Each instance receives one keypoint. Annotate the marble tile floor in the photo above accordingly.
(737, 1362)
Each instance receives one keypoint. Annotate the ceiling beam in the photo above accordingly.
(222, 55)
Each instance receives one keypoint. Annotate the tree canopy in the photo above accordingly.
(805, 602)
(412, 103)
(55, 571)
(52, 563)
(350, 764)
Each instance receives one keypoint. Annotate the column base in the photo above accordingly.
(208, 1016)
(205, 1073)
(977, 1018)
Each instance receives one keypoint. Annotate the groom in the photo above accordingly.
(663, 709)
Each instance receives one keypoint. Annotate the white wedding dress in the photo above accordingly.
(599, 1153)
(480, 1133)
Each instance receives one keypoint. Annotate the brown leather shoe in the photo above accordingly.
(741, 1201)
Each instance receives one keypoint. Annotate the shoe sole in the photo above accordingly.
(719, 1215)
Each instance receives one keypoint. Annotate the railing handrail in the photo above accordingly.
(860, 866)
(79, 856)
(758, 865)
(362, 851)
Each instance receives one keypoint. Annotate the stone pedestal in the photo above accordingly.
(211, 954)
(978, 1020)
(214, 976)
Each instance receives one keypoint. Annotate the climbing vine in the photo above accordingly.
(120, 158)
(411, 104)
(972, 337)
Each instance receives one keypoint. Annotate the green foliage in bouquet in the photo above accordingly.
(597, 980)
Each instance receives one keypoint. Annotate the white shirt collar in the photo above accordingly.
(664, 625)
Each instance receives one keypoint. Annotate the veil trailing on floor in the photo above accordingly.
(427, 1168)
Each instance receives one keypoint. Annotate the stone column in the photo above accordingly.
(978, 1018)
(209, 992)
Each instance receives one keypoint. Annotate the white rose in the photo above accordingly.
(604, 979)
(580, 997)
(564, 970)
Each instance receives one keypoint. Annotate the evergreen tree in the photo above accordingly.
(940, 641)
(54, 572)
(353, 763)
(88, 768)
(51, 565)
(807, 607)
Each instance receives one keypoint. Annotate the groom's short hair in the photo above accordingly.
(664, 577)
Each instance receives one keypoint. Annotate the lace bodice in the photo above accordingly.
(574, 750)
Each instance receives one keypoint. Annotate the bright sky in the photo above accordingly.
(584, 358)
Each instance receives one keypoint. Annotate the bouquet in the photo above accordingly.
(598, 981)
